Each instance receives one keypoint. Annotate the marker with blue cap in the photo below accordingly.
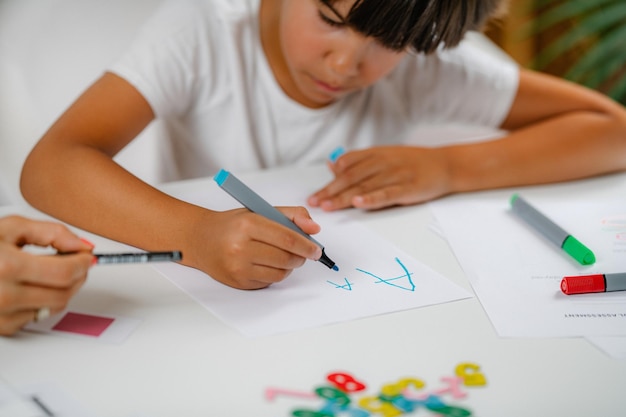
(255, 203)
(334, 155)
(552, 231)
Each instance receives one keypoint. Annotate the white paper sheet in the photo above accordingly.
(516, 273)
(374, 276)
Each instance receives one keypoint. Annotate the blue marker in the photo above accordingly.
(253, 202)
(334, 155)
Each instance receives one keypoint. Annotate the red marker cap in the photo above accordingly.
(583, 284)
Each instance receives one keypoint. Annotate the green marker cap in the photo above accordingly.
(578, 251)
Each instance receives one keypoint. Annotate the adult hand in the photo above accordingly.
(34, 285)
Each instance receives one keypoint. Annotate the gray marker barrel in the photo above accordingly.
(551, 231)
(615, 282)
(255, 203)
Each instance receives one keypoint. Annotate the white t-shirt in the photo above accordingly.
(201, 67)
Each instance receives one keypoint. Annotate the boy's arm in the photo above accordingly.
(558, 131)
(71, 175)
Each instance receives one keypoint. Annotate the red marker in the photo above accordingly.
(594, 283)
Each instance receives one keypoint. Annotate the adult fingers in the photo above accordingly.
(11, 323)
(16, 298)
(58, 271)
(25, 301)
(21, 231)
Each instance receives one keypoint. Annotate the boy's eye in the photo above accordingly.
(329, 21)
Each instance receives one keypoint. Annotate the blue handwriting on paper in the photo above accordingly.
(347, 286)
(408, 286)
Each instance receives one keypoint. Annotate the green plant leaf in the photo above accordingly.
(590, 26)
(612, 44)
(604, 72)
(565, 11)
(618, 91)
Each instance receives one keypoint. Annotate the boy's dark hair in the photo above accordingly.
(422, 25)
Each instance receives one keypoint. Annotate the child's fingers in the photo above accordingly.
(302, 218)
(255, 252)
(335, 155)
(350, 171)
(285, 239)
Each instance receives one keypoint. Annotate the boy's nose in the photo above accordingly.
(346, 57)
(344, 62)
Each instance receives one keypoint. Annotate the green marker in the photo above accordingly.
(552, 231)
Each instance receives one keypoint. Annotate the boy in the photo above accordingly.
(251, 84)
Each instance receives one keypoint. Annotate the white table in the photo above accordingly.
(183, 361)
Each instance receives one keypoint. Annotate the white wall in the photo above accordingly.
(50, 51)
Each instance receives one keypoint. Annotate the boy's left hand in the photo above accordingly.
(385, 176)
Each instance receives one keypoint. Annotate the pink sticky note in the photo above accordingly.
(83, 324)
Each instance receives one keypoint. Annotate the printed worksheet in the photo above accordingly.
(516, 272)
(374, 276)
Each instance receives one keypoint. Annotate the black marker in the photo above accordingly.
(42, 406)
(137, 257)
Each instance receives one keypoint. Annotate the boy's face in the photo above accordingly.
(319, 59)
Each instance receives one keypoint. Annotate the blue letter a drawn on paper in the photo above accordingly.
(408, 286)
(347, 286)
(407, 275)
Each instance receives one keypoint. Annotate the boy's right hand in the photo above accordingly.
(247, 251)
